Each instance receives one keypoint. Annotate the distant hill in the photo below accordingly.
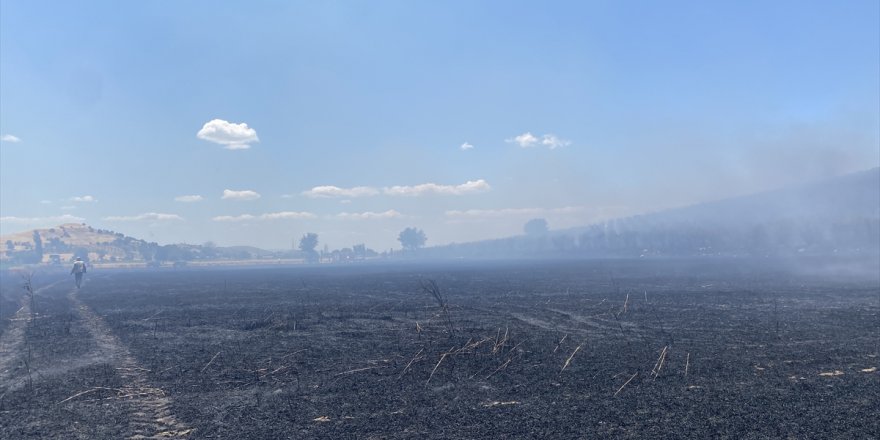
(852, 196)
(838, 216)
(63, 243)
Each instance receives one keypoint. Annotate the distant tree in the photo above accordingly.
(172, 252)
(55, 244)
(412, 238)
(81, 252)
(38, 244)
(360, 251)
(10, 246)
(308, 242)
(307, 245)
(148, 250)
(38, 247)
(535, 226)
(209, 250)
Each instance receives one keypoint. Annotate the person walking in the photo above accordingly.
(79, 268)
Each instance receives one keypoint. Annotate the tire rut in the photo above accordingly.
(151, 415)
(12, 339)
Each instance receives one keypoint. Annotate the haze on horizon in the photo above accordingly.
(256, 123)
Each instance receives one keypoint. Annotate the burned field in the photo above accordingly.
(626, 349)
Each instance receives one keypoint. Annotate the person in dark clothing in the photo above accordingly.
(79, 268)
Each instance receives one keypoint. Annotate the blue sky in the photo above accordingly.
(574, 111)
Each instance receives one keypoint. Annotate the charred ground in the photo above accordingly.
(724, 348)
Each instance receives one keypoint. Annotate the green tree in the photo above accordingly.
(412, 238)
(148, 250)
(307, 245)
(37, 255)
(535, 226)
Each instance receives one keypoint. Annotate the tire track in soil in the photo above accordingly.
(13, 337)
(545, 325)
(583, 326)
(151, 416)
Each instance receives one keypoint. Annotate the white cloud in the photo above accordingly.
(284, 215)
(466, 146)
(84, 199)
(229, 194)
(46, 202)
(552, 142)
(151, 216)
(52, 220)
(231, 135)
(327, 191)
(469, 187)
(528, 140)
(286, 196)
(10, 138)
(189, 198)
(233, 218)
(368, 215)
(287, 215)
(524, 140)
(68, 208)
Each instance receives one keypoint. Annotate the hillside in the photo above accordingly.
(63, 243)
(838, 216)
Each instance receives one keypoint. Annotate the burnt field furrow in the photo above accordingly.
(595, 349)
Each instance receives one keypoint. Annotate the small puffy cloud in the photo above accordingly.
(189, 198)
(229, 194)
(327, 191)
(68, 207)
(524, 140)
(52, 220)
(148, 216)
(83, 199)
(231, 135)
(528, 140)
(10, 138)
(46, 202)
(368, 215)
(469, 187)
(552, 142)
(284, 215)
(466, 146)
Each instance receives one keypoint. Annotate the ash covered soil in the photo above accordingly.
(609, 349)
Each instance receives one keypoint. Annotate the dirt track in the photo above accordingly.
(558, 351)
(150, 411)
